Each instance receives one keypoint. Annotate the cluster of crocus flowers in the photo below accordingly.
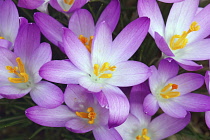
(97, 66)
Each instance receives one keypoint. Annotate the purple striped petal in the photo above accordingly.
(207, 118)
(46, 94)
(110, 15)
(207, 80)
(150, 9)
(77, 5)
(75, 49)
(129, 73)
(189, 65)
(194, 102)
(5, 44)
(56, 117)
(30, 4)
(12, 92)
(50, 28)
(118, 105)
(105, 133)
(173, 109)
(180, 18)
(150, 105)
(164, 126)
(187, 82)
(60, 71)
(162, 45)
(78, 23)
(125, 44)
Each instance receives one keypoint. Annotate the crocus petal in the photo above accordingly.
(129, 73)
(187, 82)
(164, 126)
(196, 51)
(23, 21)
(1, 97)
(30, 4)
(5, 43)
(154, 80)
(118, 105)
(137, 96)
(60, 71)
(203, 20)
(28, 39)
(79, 125)
(194, 102)
(9, 22)
(44, 7)
(46, 94)
(189, 65)
(101, 47)
(41, 55)
(162, 45)
(104, 133)
(56, 117)
(78, 23)
(207, 118)
(125, 44)
(50, 28)
(77, 5)
(77, 97)
(207, 79)
(150, 105)
(75, 49)
(110, 14)
(151, 10)
(180, 18)
(170, 1)
(173, 109)
(12, 92)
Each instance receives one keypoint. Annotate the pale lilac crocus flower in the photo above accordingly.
(182, 38)
(104, 69)
(9, 23)
(81, 23)
(19, 69)
(172, 93)
(139, 126)
(65, 6)
(82, 113)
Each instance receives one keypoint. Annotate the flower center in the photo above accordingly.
(180, 41)
(87, 42)
(143, 135)
(69, 2)
(1, 37)
(91, 115)
(100, 71)
(167, 92)
(19, 71)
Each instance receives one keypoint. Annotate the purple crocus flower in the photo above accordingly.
(139, 126)
(81, 23)
(82, 113)
(105, 68)
(9, 23)
(172, 93)
(19, 70)
(65, 6)
(183, 36)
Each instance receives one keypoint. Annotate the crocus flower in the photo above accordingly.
(9, 23)
(105, 68)
(172, 93)
(19, 70)
(183, 36)
(66, 6)
(81, 23)
(207, 114)
(139, 126)
(82, 113)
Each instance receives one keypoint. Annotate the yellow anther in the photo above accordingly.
(180, 41)
(99, 71)
(18, 71)
(69, 2)
(1, 37)
(167, 92)
(143, 136)
(91, 115)
(87, 42)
